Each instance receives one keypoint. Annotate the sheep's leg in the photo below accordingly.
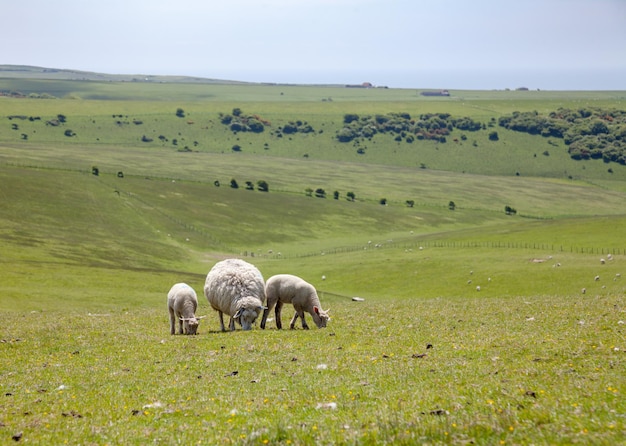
(279, 306)
(180, 324)
(231, 324)
(292, 324)
(266, 312)
(221, 320)
(304, 325)
(172, 322)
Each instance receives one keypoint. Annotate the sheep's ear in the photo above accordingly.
(261, 308)
(317, 310)
(238, 313)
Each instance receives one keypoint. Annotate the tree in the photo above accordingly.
(410, 203)
(180, 112)
(452, 206)
(336, 195)
(95, 171)
(233, 184)
(320, 193)
(508, 210)
(383, 201)
(349, 117)
(262, 186)
(350, 196)
(236, 111)
(256, 126)
(249, 185)
(493, 136)
(216, 183)
(236, 148)
(308, 191)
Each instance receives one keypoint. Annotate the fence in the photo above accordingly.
(418, 245)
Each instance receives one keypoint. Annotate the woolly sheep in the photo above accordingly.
(182, 303)
(237, 288)
(286, 288)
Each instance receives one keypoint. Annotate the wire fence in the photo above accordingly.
(420, 245)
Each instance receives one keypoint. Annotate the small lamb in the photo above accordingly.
(237, 288)
(182, 303)
(286, 288)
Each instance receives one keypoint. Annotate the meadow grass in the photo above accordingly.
(517, 370)
(535, 355)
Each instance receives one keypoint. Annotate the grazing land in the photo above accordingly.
(478, 326)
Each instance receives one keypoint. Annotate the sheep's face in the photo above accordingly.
(322, 317)
(190, 327)
(247, 316)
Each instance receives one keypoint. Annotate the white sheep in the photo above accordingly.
(182, 303)
(286, 288)
(235, 287)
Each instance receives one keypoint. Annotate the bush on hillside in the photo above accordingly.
(589, 133)
(401, 126)
(240, 122)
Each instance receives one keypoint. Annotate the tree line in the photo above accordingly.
(589, 133)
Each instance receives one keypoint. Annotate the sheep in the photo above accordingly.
(286, 288)
(182, 303)
(237, 288)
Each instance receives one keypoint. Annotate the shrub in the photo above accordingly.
(262, 186)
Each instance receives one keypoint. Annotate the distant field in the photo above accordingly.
(477, 327)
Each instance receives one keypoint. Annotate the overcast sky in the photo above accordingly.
(478, 44)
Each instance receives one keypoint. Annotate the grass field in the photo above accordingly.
(477, 327)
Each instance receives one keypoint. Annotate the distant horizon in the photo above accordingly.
(563, 80)
(578, 80)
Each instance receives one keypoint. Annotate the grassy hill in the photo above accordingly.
(475, 326)
(155, 204)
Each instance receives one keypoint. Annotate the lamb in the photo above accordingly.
(182, 303)
(237, 288)
(286, 288)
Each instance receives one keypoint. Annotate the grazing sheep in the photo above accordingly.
(284, 289)
(182, 303)
(236, 288)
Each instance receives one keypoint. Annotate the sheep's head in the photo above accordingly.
(190, 325)
(322, 317)
(247, 315)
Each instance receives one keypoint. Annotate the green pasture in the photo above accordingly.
(538, 369)
(477, 327)
(96, 127)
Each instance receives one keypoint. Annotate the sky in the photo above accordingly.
(447, 44)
